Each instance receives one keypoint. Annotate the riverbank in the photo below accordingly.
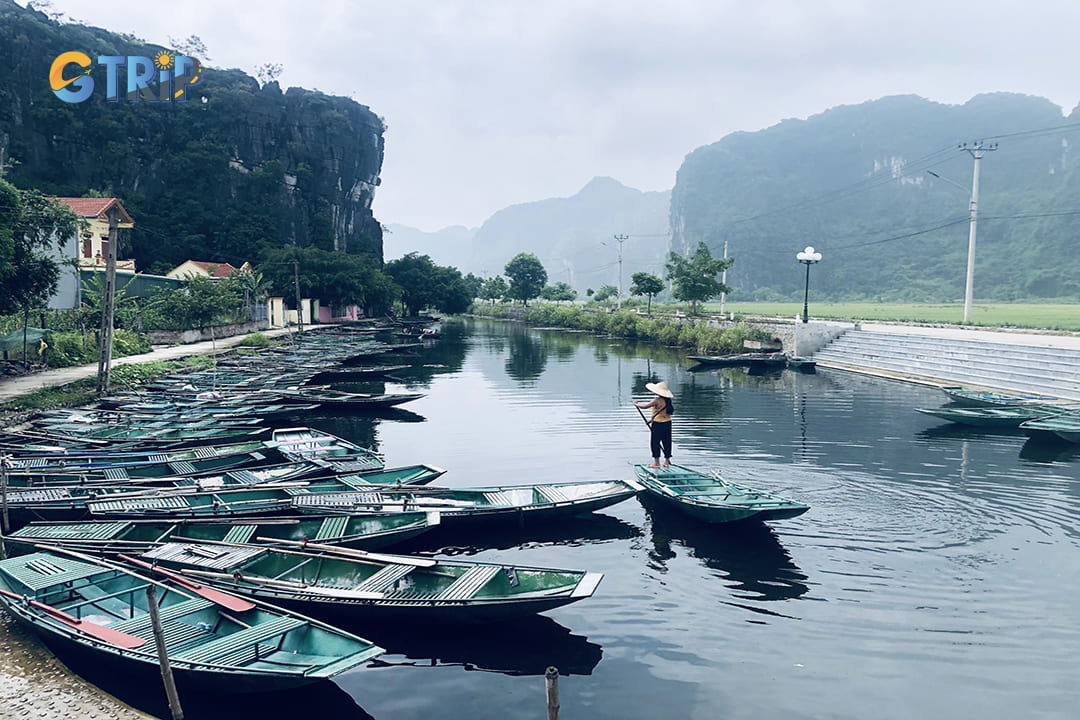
(34, 684)
(18, 386)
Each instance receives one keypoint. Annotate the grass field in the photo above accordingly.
(1021, 315)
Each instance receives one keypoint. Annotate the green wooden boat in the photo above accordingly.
(323, 580)
(215, 641)
(1065, 426)
(517, 503)
(70, 502)
(161, 434)
(328, 398)
(1003, 416)
(711, 498)
(226, 502)
(367, 531)
(984, 398)
(302, 443)
(71, 469)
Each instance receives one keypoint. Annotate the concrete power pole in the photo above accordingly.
(299, 301)
(723, 281)
(976, 151)
(108, 303)
(621, 239)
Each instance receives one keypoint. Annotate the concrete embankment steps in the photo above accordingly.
(982, 363)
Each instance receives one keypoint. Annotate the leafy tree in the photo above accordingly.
(646, 284)
(425, 284)
(474, 284)
(336, 278)
(606, 292)
(558, 292)
(494, 288)
(694, 278)
(589, 292)
(527, 277)
(30, 223)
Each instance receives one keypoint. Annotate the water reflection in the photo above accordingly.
(145, 692)
(522, 647)
(527, 358)
(749, 554)
(1038, 450)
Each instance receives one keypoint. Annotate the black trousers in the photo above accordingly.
(660, 438)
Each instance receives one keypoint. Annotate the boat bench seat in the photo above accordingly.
(141, 623)
(470, 582)
(178, 636)
(464, 587)
(239, 534)
(225, 650)
(115, 474)
(551, 494)
(331, 527)
(384, 578)
(182, 467)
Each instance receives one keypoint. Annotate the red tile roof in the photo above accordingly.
(220, 269)
(95, 207)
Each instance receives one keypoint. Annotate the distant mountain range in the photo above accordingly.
(574, 237)
(854, 181)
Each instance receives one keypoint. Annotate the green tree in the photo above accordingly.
(606, 292)
(474, 284)
(336, 278)
(694, 278)
(558, 292)
(646, 284)
(425, 284)
(494, 288)
(527, 277)
(30, 224)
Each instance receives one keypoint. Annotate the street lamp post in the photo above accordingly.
(808, 257)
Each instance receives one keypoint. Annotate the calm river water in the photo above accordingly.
(934, 576)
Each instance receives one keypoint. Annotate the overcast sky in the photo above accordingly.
(496, 102)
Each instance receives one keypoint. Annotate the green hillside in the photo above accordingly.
(234, 171)
(853, 183)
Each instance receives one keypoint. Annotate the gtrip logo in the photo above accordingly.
(165, 78)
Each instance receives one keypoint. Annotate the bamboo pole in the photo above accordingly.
(551, 680)
(3, 491)
(163, 656)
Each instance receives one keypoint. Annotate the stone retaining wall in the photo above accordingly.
(186, 337)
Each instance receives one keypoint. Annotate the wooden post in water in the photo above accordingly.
(3, 491)
(4, 524)
(163, 656)
(551, 679)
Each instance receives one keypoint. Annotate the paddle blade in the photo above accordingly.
(225, 600)
(105, 634)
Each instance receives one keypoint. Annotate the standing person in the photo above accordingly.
(660, 425)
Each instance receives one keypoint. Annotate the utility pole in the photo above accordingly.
(299, 302)
(621, 239)
(976, 150)
(723, 281)
(108, 303)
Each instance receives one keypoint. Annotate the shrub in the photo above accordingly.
(256, 339)
(70, 348)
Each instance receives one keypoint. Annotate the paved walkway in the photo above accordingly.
(18, 386)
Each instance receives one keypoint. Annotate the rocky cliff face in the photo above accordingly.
(236, 169)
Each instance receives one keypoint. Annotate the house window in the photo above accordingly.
(87, 247)
(104, 248)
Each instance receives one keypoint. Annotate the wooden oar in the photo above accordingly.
(216, 596)
(647, 423)
(105, 634)
(351, 552)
